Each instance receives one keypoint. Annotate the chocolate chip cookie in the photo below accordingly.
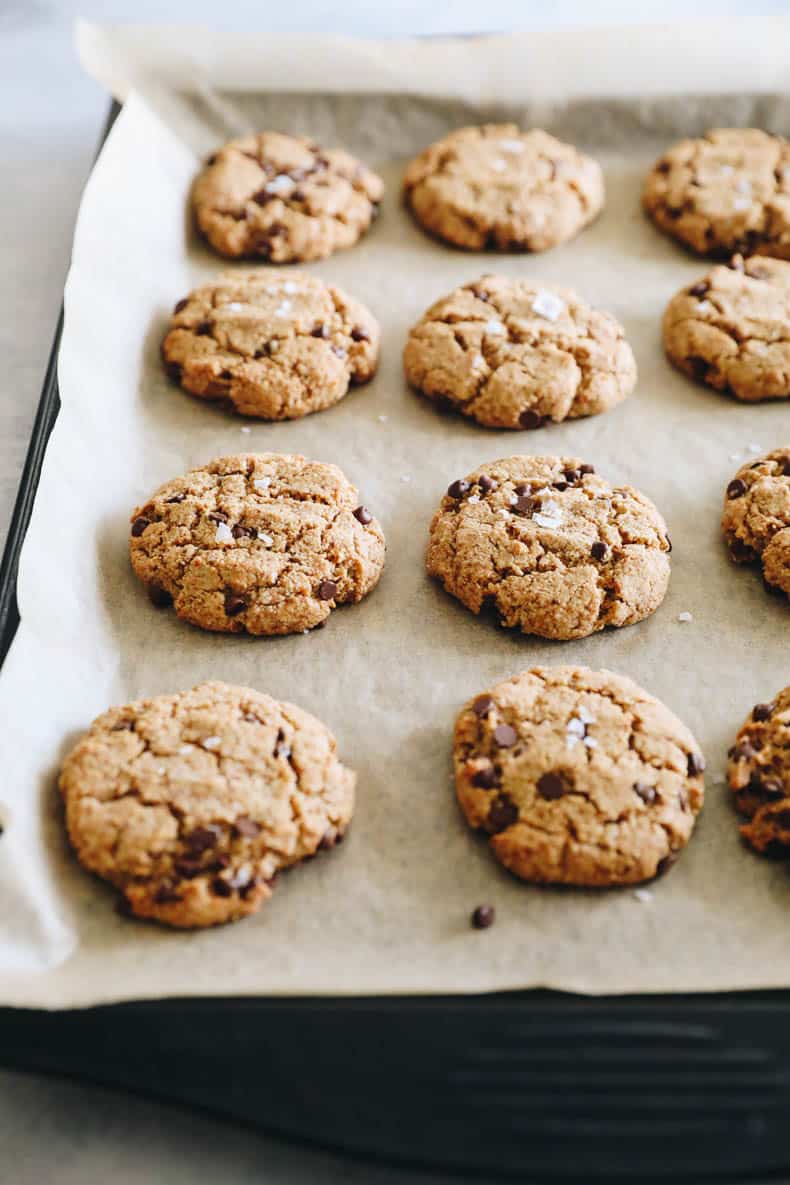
(726, 192)
(190, 804)
(284, 198)
(264, 543)
(758, 772)
(550, 547)
(756, 518)
(511, 354)
(579, 777)
(499, 187)
(731, 329)
(270, 346)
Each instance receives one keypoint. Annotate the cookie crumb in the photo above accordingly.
(483, 917)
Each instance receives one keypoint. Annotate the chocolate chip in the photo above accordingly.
(480, 294)
(482, 706)
(771, 786)
(736, 488)
(523, 487)
(781, 819)
(486, 483)
(505, 736)
(762, 711)
(645, 791)
(139, 525)
(599, 550)
(662, 166)
(175, 499)
(664, 865)
(784, 467)
(188, 869)
(247, 827)
(203, 329)
(571, 475)
(586, 468)
(358, 334)
(560, 485)
(362, 515)
(701, 289)
(173, 371)
(159, 597)
(531, 419)
(123, 726)
(458, 488)
(320, 330)
(699, 367)
(241, 532)
(695, 764)
(551, 786)
(502, 813)
(483, 917)
(683, 800)
(181, 304)
(327, 590)
(298, 195)
(166, 894)
(235, 603)
(218, 516)
(740, 551)
(202, 838)
(262, 197)
(486, 778)
(221, 888)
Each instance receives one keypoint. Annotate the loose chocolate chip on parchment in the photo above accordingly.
(483, 917)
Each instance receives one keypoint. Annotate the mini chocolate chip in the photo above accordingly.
(560, 485)
(235, 603)
(358, 334)
(247, 827)
(327, 590)
(483, 917)
(736, 488)
(571, 475)
(531, 419)
(701, 289)
(485, 778)
(482, 705)
(486, 483)
(695, 764)
(762, 711)
(645, 791)
(166, 894)
(202, 838)
(586, 468)
(664, 865)
(320, 330)
(159, 597)
(203, 329)
(599, 550)
(505, 736)
(457, 489)
(181, 304)
(551, 786)
(241, 532)
(221, 888)
(502, 814)
(139, 525)
(363, 515)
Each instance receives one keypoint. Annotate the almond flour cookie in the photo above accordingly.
(758, 773)
(727, 192)
(264, 543)
(499, 187)
(731, 329)
(550, 547)
(284, 198)
(579, 777)
(756, 518)
(191, 804)
(510, 354)
(269, 346)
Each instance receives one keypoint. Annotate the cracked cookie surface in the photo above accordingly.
(499, 187)
(284, 198)
(190, 804)
(727, 192)
(579, 777)
(758, 773)
(263, 543)
(756, 517)
(731, 329)
(271, 346)
(510, 354)
(550, 547)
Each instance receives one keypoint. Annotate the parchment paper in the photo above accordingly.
(388, 912)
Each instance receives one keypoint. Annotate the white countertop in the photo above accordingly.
(50, 120)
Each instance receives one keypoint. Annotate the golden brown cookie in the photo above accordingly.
(726, 192)
(756, 517)
(731, 329)
(284, 198)
(190, 804)
(579, 777)
(758, 773)
(264, 543)
(499, 187)
(511, 354)
(550, 547)
(271, 346)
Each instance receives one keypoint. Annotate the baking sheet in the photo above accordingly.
(389, 911)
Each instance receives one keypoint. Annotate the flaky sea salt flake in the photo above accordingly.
(548, 304)
(224, 533)
(685, 617)
(212, 743)
(643, 895)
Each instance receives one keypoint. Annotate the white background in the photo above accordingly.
(50, 118)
